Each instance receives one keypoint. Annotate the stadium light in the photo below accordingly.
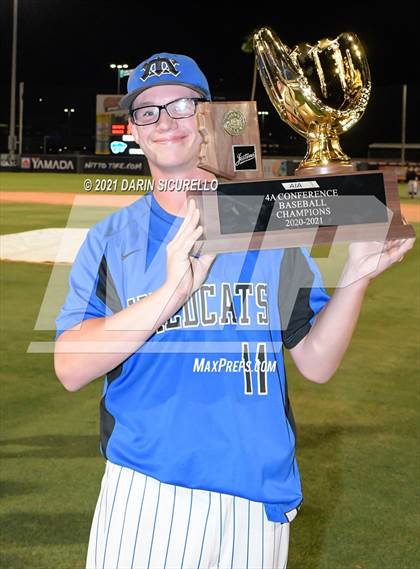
(118, 67)
(69, 111)
(262, 114)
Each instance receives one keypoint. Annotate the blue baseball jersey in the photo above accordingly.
(203, 403)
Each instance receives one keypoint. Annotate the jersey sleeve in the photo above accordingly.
(89, 288)
(301, 295)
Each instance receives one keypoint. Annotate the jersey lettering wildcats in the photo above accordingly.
(203, 403)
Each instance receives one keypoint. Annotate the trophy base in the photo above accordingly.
(338, 168)
(305, 238)
(301, 211)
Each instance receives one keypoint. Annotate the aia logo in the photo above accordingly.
(160, 66)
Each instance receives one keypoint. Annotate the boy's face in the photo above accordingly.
(170, 144)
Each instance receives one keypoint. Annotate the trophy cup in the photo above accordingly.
(321, 91)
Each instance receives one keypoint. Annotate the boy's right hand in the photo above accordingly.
(186, 273)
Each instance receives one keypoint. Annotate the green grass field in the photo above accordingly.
(358, 435)
(41, 182)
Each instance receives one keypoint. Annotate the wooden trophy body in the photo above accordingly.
(231, 139)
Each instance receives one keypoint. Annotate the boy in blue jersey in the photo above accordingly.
(196, 426)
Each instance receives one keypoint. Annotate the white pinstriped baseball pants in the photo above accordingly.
(142, 523)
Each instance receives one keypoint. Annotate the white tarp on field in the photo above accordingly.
(52, 245)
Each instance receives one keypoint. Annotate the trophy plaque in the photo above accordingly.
(321, 91)
(231, 139)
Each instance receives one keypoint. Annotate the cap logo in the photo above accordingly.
(160, 66)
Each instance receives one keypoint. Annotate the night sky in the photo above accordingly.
(65, 48)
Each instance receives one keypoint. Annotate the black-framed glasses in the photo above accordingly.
(178, 109)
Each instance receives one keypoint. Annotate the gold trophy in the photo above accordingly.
(321, 91)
